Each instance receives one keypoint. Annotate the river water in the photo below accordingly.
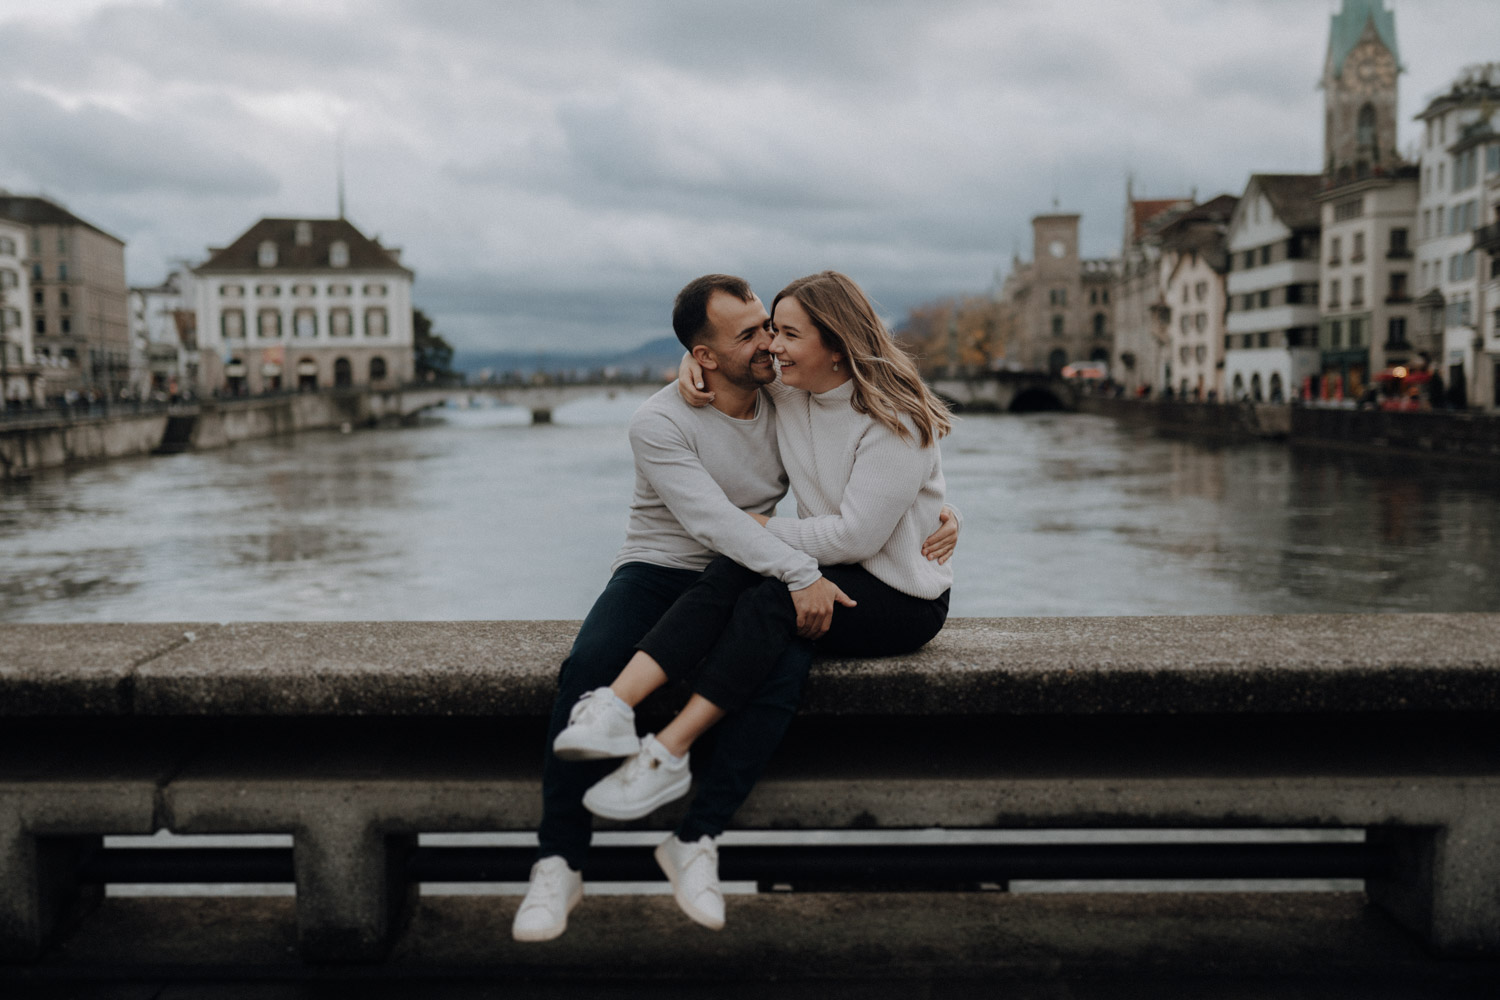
(475, 515)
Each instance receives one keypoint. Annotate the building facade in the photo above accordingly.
(1369, 208)
(164, 327)
(1270, 329)
(1459, 157)
(1140, 359)
(1194, 259)
(19, 372)
(79, 317)
(1061, 302)
(304, 304)
(1487, 242)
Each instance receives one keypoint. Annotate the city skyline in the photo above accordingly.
(635, 150)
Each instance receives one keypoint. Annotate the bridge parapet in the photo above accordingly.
(356, 737)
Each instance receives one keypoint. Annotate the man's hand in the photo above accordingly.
(760, 519)
(815, 607)
(690, 383)
(941, 543)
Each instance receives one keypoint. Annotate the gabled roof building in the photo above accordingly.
(304, 304)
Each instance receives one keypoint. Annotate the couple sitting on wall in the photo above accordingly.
(711, 588)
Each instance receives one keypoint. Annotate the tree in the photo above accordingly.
(434, 355)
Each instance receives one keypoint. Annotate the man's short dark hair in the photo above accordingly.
(690, 311)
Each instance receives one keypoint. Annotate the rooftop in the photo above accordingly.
(309, 254)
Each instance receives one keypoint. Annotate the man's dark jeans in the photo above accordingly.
(636, 596)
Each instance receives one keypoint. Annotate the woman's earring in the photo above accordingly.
(835, 366)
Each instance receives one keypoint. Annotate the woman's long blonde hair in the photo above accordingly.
(886, 384)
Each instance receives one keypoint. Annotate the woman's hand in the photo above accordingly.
(760, 519)
(941, 543)
(690, 382)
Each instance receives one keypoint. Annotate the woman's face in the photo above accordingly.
(805, 362)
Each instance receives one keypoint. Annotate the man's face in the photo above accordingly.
(741, 340)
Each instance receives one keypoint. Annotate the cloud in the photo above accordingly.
(94, 151)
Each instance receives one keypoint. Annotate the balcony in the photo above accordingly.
(1487, 238)
(1398, 253)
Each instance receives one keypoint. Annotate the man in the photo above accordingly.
(697, 471)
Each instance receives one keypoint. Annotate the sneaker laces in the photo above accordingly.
(703, 851)
(588, 704)
(547, 885)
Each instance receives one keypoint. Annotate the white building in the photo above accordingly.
(1194, 259)
(1270, 331)
(304, 304)
(19, 373)
(1140, 358)
(1487, 240)
(1460, 152)
(164, 336)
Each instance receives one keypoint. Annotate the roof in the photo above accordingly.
(1143, 212)
(1348, 26)
(1202, 228)
(1293, 197)
(243, 254)
(1476, 86)
(33, 211)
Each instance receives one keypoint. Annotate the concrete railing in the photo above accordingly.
(356, 737)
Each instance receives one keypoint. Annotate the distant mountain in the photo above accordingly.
(660, 353)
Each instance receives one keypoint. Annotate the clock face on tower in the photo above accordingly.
(1057, 248)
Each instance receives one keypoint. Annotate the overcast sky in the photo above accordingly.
(556, 171)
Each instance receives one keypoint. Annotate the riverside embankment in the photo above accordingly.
(55, 439)
(1466, 436)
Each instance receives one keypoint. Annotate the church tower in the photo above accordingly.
(1359, 92)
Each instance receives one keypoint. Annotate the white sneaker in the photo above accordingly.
(599, 726)
(693, 870)
(555, 890)
(648, 779)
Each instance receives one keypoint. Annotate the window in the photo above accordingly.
(1356, 333)
(1184, 323)
(1396, 334)
(1264, 338)
(1334, 249)
(1333, 294)
(1466, 169)
(1364, 134)
(266, 256)
(1185, 354)
(1248, 340)
(1398, 244)
(1099, 322)
(1357, 291)
(375, 325)
(38, 297)
(1350, 208)
(1104, 295)
(67, 324)
(1265, 255)
(304, 291)
(62, 243)
(268, 324)
(1426, 223)
(1200, 353)
(1185, 293)
(1094, 297)
(1248, 303)
(62, 271)
(1057, 326)
(1398, 287)
(41, 325)
(377, 369)
(1200, 290)
(7, 246)
(36, 272)
(268, 291)
(1249, 259)
(303, 235)
(305, 323)
(378, 292)
(9, 278)
(338, 254)
(232, 324)
(339, 323)
(232, 291)
(1492, 163)
(62, 298)
(1336, 334)
(338, 291)
(1359, 249)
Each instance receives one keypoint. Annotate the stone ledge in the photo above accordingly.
(1144, 665)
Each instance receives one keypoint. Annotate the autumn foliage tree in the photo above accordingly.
(968, 334)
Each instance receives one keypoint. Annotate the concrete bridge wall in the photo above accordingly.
(356, 737)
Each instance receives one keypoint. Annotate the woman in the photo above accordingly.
(858, 432)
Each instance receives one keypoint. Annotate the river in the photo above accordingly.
(475, 515)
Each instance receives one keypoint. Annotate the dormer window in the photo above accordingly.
(267, 255)
(304, 234)
(338, 254)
